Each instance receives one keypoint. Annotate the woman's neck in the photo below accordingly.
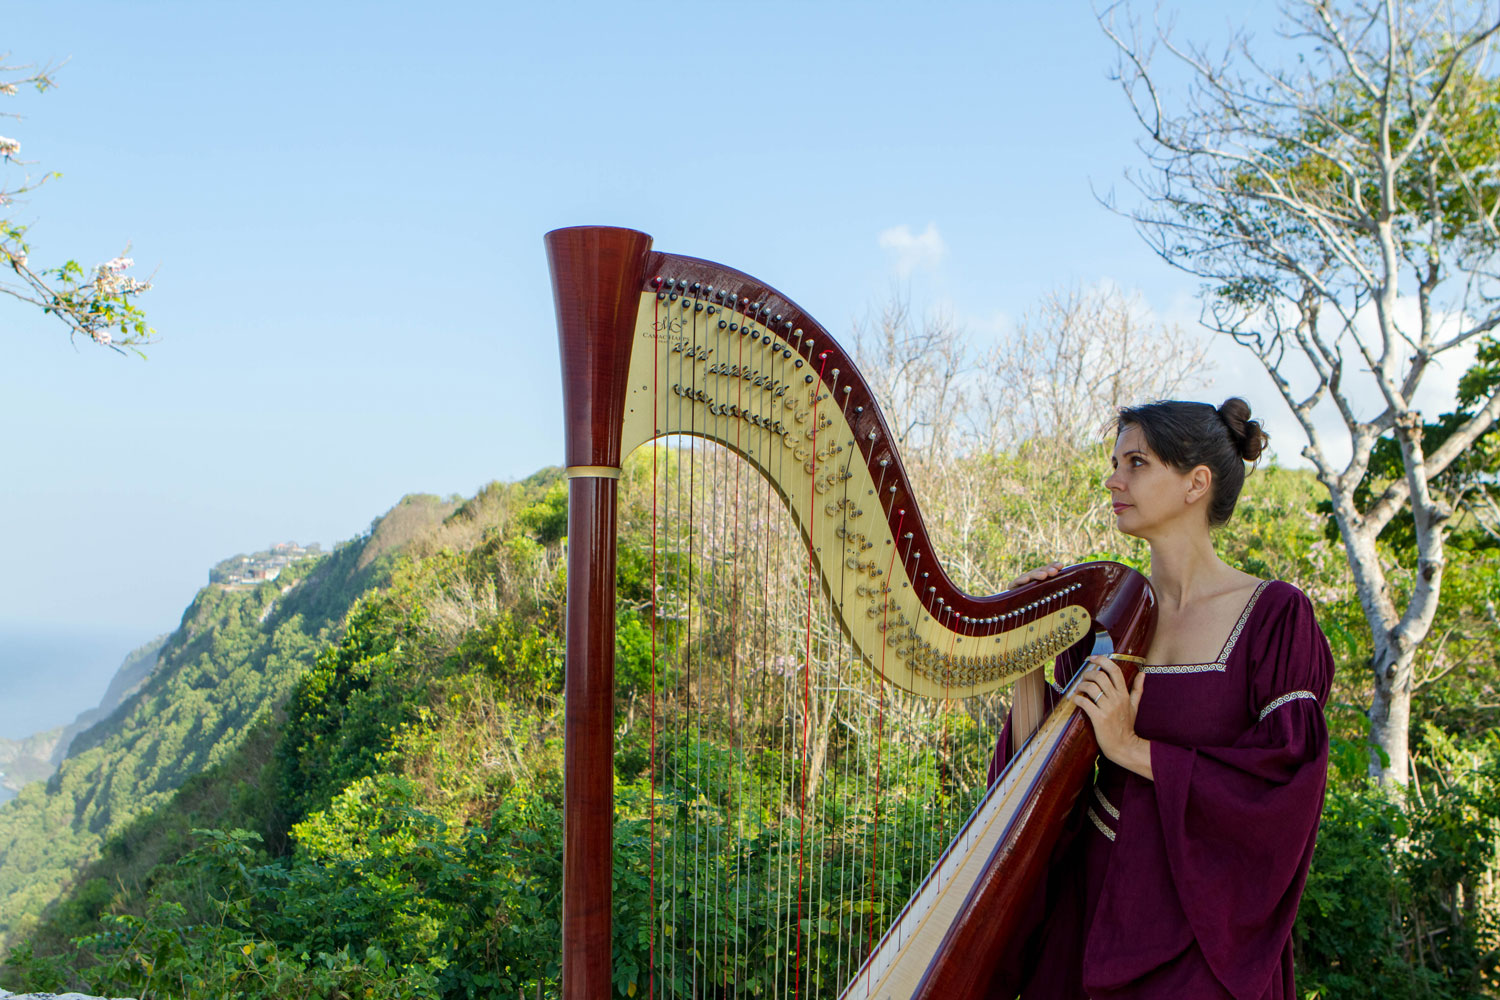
(1185, 567)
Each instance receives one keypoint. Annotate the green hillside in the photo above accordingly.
(234, 657)
(353, 789)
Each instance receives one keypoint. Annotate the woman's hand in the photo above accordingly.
(1040, 573)
(1111, 707)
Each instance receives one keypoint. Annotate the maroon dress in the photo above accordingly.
(1187, 886)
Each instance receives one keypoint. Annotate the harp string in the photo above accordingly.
(807, 671)
(653, 604)
(740, 909)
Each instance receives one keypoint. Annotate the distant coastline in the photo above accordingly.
(50, 673)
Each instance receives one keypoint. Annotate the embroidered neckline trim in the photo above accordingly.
(1219, 665)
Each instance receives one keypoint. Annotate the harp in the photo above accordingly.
(659, 346)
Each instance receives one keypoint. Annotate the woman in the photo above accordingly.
(1181, 874)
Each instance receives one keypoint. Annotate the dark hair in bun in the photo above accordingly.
(1186, 435)
(1248, 436)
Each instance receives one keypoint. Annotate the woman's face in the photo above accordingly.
(1148, 495)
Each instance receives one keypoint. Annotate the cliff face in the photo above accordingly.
(37, 757)
(178, 705)
(26, 760)
(133, 672)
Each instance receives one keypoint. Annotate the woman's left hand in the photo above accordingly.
(1111, 707)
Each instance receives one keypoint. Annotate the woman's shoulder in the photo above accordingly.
(1272, 596)
(1276, 604)
(1286, 648)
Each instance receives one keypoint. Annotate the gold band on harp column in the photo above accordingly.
(591, 472)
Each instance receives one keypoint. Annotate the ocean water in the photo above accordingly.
(50, 673)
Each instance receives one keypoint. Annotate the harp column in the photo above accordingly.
(588, 786)
(596, 282)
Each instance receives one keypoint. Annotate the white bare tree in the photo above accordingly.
(1078, 357)
(1342, 213)
(1016, 427)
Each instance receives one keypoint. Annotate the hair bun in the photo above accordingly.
(1249, 437)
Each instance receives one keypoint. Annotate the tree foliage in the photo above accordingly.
(99, 303)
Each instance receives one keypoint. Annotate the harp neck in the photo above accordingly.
(656, 344)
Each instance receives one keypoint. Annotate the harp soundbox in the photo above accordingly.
(658, 347)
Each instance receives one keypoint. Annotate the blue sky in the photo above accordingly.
(342, 208)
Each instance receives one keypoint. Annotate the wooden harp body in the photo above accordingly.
(655, 344)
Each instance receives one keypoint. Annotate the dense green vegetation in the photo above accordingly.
(386, 822)
(235, 656)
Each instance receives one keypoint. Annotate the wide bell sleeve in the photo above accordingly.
(1233, 827)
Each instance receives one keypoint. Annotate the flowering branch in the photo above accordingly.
(98, 304)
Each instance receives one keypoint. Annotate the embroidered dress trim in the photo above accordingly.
(1108, 806)
(1103, 827)
(1183, 668)
(1217, 666)
(1289, 696)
